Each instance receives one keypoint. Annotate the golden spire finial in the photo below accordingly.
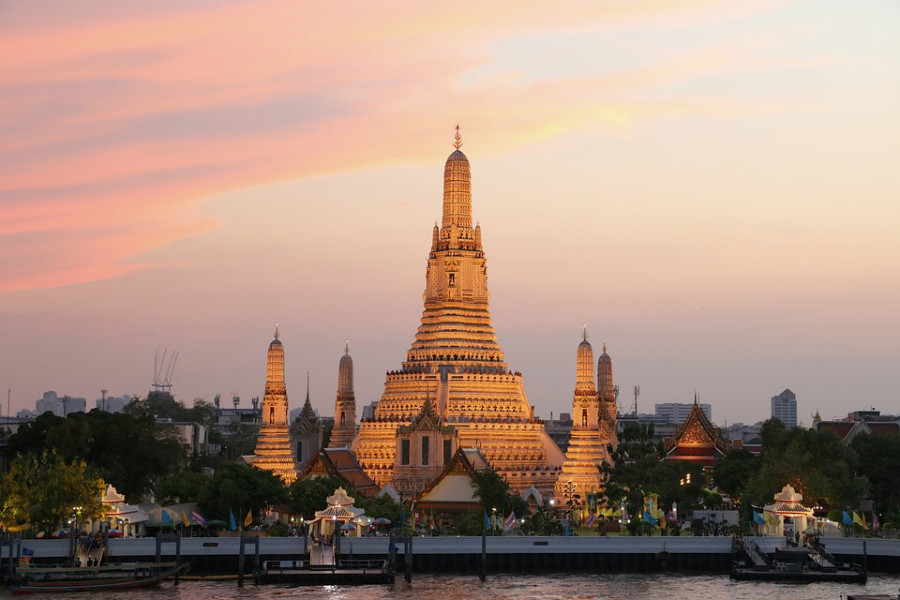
(276, 331)
(584, 332)
(604, 346)
(457, 139)
(346, 346)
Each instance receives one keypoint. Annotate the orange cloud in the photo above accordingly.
(116, 122)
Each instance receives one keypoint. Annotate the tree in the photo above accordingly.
(733, 473)
(187, 486)
(879, 462)
(46, 491)
(240, 488)
(494, 496)
(382, 506)
(816, 463)
(310, 494)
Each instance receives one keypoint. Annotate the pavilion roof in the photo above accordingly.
(694, 434)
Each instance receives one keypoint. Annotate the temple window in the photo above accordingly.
(342, 418)
(404, 452)
(425, 450)
(452, 280)
(448, 451)
(299, 451)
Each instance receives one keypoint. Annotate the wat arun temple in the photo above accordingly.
(454, 390)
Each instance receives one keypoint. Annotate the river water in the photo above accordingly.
(519, 587)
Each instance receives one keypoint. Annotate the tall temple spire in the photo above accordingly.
(345, 403)
(606, 390)
(457, 196)
(456, 366)
(273, 447)
(457, 139)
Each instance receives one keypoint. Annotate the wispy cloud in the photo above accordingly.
(117, 120)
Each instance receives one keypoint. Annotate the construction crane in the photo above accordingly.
(163, 371)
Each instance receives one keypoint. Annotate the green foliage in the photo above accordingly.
(46, 490)
(277, 529)
(879, 461)
(732, 474)
(240, 488)
(638, 470)
(469, 522)
(131, 452)
(163, 405)
(186, 486)
(493, 492)
(815, 462)
(382, 506)
(543, 521)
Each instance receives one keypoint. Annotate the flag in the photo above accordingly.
(184, 519)
(648, 518)
(232, 524)
(166, 517)
(589, 522)
(248, 519)
(510, 521)
(431, 523)
(859, 520)
(847, 519)
(197, 518)
(757, 518)
(875, 524)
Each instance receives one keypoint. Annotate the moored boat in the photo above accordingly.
(58, 579)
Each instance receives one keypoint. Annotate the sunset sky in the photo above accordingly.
(712, 187)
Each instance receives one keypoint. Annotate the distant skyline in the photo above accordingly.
(712, 187)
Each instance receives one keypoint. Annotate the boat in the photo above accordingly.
(791, 563)
(59, 579)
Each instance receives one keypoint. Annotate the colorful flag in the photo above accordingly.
(487, 522)
(431, 523)
(248, 519)
(859, 520)
(648, 518)
(232, 524)
(589, 522)
(510, 520)
(166, 517)
(197, 518)
(184, 519)
(757, 518)
(848, 520)
(875, 524)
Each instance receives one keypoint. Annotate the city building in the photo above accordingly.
(784, 408)
(455, 388)
(677, 412)
(60, 406)
(273, 447)
(859, 422)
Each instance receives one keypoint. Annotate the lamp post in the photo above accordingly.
(493, 521)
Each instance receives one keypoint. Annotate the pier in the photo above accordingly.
(712, 554)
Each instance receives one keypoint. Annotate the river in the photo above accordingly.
(519, 587)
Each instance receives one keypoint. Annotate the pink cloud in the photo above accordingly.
(117, 121)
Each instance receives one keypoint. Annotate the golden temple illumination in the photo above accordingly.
(593, 426)
(273, 448)
(455, 389)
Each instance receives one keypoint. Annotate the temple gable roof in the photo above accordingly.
(453, 488)
(342, 463)
(695, 438)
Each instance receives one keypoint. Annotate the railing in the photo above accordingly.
(755, 553)
(818, 550)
